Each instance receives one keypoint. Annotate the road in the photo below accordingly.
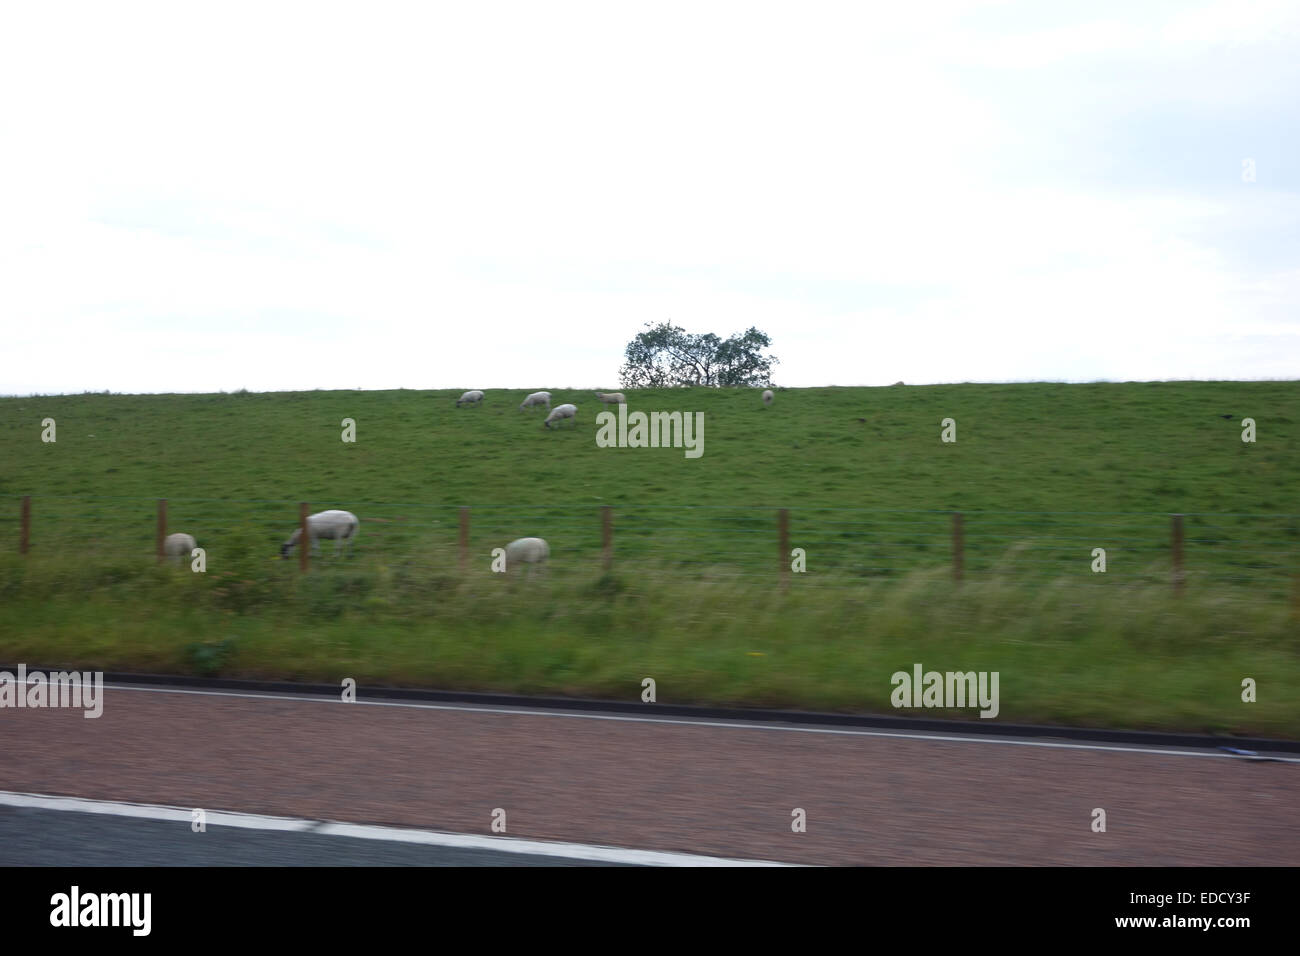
(720, 789)
(94, 839)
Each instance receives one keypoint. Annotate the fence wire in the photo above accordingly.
(854, 543)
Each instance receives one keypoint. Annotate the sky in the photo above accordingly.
(274, 196)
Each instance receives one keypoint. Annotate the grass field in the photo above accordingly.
(1043, 473)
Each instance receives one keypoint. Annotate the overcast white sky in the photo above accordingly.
(202, 197)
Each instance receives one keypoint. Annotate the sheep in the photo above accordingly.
(537, 398)
(560, 412)
(526, 551)
(178, 546)
(341, 526)
(612, 398)
(767, 396)
(470, 398)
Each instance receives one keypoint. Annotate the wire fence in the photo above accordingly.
(853, 543)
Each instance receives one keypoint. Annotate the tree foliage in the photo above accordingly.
(666, 356)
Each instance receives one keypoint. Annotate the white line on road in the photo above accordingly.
(461, 841)
(693, 722)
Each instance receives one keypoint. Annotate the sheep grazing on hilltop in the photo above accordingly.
(767, 396)
(470, 398)
(537, 398)
(178, 546)
(560, 412)
(612, 398)
(339, 526)
(527, 551)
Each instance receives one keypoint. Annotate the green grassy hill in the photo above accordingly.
(1156, 447)
(1043, 473)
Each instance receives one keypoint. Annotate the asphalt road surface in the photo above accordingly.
(92, 839)
(720, 789)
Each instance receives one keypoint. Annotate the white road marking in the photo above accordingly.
(462, 841)
(693, 722)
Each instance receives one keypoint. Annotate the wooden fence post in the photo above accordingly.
(606, 537)
(462, 540)
(1177, 546)
(25, 526)
(304, 539)
(783, 544)
(161, 542)
(958, 546)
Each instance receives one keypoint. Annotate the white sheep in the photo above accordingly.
(526, 551)
(178, 546)
(767, 396)
(340, 526)
(537, 398)
(612, 398)
(561, 412)
(469, 398)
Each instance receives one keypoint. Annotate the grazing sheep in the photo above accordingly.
(612, 398)
(560, 412)
(470, 398)
(767, 396)
(526, 551)
(537, 398)
(178, 547)
(341, 526)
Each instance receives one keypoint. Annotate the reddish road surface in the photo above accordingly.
(722, 791)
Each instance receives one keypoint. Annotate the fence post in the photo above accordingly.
(462, 541)
(304, 539)
(161, 543)
(25, 528)
(1177, 546)
(606, 537)
(783, 544)
(958, 544)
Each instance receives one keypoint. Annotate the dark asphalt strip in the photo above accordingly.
(981, 728)
(33, 837)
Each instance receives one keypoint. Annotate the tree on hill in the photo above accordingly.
(665, 356)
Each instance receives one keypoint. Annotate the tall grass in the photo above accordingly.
(1068, 651)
